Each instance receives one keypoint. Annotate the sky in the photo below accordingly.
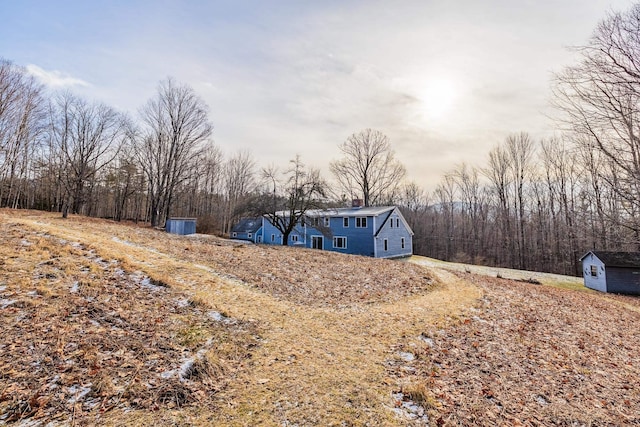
(444, 80)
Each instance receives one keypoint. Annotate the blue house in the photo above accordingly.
(248, 229)
(380, 232)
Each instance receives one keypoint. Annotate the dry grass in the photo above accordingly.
(330, 325)
(281, 336)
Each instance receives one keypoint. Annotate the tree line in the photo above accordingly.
(540, 205)
(535, 205)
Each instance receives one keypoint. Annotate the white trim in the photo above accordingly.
(359, 220)
(339, 247)
(345, 219)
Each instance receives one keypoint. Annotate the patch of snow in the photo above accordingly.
(146, 282)
(215, 316)
(409, 409)
(406, 356)
(78, 393)
(168, 374)
(185, 368)
(25, 242)
(3, 288)
(4, 303)
(75, 288)
(124, 242)
(542, 400)
(182, 302)
(427, 340)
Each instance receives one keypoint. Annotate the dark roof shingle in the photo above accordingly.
(617, 259)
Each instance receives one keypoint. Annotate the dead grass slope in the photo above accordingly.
(536, 356)
(330, 326)
(81, 336)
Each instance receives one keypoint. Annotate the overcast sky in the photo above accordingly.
(444, 80)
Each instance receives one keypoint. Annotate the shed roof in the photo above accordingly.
(617, 259)
(247, 225)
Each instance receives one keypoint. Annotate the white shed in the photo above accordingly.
(617, 272)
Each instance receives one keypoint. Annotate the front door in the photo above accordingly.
(317, 242)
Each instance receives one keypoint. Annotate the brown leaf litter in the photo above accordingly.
(534, 356)
(82, 336)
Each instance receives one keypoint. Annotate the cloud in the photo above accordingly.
(55, 78)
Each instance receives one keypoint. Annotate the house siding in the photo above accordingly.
(623, 280)
(599, 282)
(394, 236)
(360, 240)
(243, 235)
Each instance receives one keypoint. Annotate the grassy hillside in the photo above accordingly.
(113, 324)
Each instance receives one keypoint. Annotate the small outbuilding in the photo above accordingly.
(182, 226)
(617, 272)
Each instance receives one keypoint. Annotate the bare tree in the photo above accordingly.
(368, 167)
(600, 97)
(87, 137)
(239, 182)
(22, 122)
(292, 197)
(176, 127)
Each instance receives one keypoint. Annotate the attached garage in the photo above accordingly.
(614, 272)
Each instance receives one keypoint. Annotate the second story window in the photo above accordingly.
(327, 221)
(345, 222)
(361, 222)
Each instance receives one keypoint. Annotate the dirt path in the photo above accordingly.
(316, 364)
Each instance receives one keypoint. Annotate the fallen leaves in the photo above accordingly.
(82, 336)
(531, 355)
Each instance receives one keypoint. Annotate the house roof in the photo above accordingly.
(342, 212)
(616, 259)
(247, 225)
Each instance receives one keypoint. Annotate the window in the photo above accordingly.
(234, 234)
(249, 235)
(345, 222)
(327, 221)
(391, 222)
(340, 242)
(314, 221)
(386, 245)
(273, 237)
(402, 242)
(398, 222)
(361, 222)
(594, 270)
(294, 237)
